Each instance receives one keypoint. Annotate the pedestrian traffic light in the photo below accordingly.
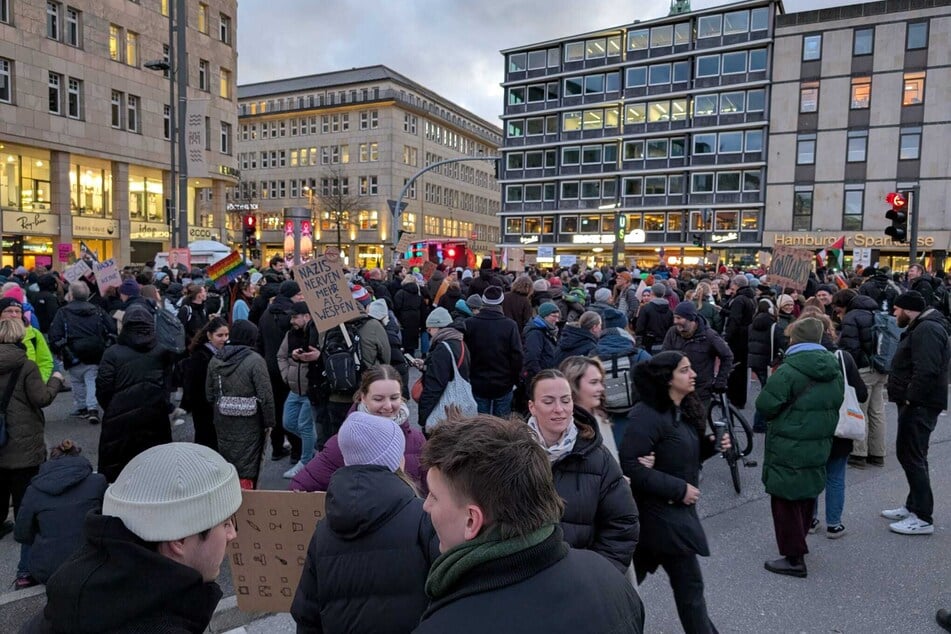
(252, 242)
(898, 214)
(250, 223)
(698, 240)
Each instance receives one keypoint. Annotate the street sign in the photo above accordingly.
(392, 204)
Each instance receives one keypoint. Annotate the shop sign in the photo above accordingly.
(107, 228)
(15, 222)
(720, 238)
(855, 240)
(149, 231)
(637, 236)
(604, 238)
(529, 239)
(202, 233)
(242, 207)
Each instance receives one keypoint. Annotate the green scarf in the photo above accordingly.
(489, 546)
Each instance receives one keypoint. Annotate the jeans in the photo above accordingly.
(82, 377)
(299, 420)
(835, 491)
(915, 424)
(500, 407)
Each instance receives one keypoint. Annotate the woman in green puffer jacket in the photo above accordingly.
(800, 403)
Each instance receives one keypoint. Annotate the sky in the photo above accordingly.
(449, 46)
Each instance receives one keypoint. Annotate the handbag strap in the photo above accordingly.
(8, 390)
(455, 366)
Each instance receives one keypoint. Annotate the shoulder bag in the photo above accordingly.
(236, 405)
(458, 393)
(5, 402)
(851, 424)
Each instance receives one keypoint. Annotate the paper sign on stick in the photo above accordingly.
(428, 269)
(64, 250)
(181, 256)
(107, 275)
(790, 267)
(326, 292)
(406, 241)
(268, 555)
(76, 271)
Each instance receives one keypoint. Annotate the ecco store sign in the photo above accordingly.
(202, 233)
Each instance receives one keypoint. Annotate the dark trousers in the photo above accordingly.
(334, 415)
(915, 424)
(737, 383)
(280, 390)
(791, 522)
(687, 583)
(13, 484)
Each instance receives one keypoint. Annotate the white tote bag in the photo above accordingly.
(851, 417)
(458, 392)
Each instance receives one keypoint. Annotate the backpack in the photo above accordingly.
(620, 393)
(886, 334)
(169, 331)
(342, 363)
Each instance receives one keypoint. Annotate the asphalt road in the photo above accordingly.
(870, 580)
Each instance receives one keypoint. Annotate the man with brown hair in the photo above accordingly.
(505, 565)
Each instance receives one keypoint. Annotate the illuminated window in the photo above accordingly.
(224, 88)
(914, 89)
(809, 96)
(115, 50)
(132, 48)
(203, 17)
(861, 93)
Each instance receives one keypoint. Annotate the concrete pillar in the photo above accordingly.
(61, 197)
(219, 203)
(120, 211)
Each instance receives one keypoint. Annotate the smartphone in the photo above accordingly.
(410, 359)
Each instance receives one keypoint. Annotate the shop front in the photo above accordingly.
(147, 239)
(100, 235)
(866, 248)
(28, 238)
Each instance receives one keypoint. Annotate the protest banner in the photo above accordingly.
(406, 241)
(181, 256)
(76, 271)
(790, 267)
(267, 556)
(326, 292)
(64, 250)
(107, 275)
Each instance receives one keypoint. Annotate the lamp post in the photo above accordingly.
(620, 230)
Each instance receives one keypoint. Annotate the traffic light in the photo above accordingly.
(698, 240)
(252, 242)
(250, 223)
(451, 252)
(898, 214)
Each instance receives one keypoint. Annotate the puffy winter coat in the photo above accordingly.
(26, 446)
(765, 342)
(53, 509)
(374, 522)
(496, 353)
(920, 365)
(703, 349)
(240, 371)
(600, 513)
(739, 315)
(80, 332)
(296, 374)
(193, 317)
(273, 325)
(540, 348)
(800, 402)
(881, 290)
(409, 310)
(653, 321)
(856, 336)
(574, 340)
(518, 308)
(38, 351)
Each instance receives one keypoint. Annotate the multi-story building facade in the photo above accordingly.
(663, 122)
(344, 143)
(84, 126)
(859, 109)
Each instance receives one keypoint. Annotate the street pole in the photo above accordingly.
(172, 126)
(913, 242)
(181, 75)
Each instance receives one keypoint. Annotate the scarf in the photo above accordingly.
(489, 546)
(401, 416)
(445, 334)
(804, 347)
(562, 447)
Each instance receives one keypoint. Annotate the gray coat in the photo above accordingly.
(241, 372)
(25, 420)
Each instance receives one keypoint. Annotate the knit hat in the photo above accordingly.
(576, 296)
(540, 285)
(547, 308)
(16, 293)
(362, 295)
(172, 491)
(6, 302)
(806, 330)
(300, 308)
(912, 300)
(365, 439)
(687, 310)
(129, 288)
(741, 281)
(602, 295)
(785, 299)
(256, 278)
(439, 318)
(467, 274)
(463, 307)
(554, 282)
(659, 290)
(289, 288)
(475, 302)
(828, 288)
(613, 318)
(243, 333)
(21, 271)
(493, 296)
(378, 309)
(624, 276)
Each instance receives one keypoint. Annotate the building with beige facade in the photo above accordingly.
(860, 108)
(343, 144)
(84, 126)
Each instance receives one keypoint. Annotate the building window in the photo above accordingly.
(203, 18)
(164, 7)
(73, 27)
(802, 209)
(809, 96)
(132, 113)
(857, 147)
(862, 41)
(811, 48)
(52, 20)
(225, 144)
(853, 211)
(861, 93)
(702, 183)
(55, 93)
(166, 122)
(224, 28)
(5, 11)
(167, 58)
(6, 80)
(224, 84)
(910, 144)
(203, 74)
(116, 109)
(74, 98)
(736, 22)
(132, 48)
(914, 89)
(917, 36)
(115, 47)
(709, 26)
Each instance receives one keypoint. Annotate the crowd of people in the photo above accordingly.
(556, 445)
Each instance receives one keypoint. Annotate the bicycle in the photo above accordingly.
(721, 410)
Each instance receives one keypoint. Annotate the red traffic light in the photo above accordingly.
(250, 221)
(451, 252)
(896, 200)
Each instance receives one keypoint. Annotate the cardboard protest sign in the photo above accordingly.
(75, 271)
(180, 256)
(326, 292)
(107, 275)
(268, 555)
(790, 267)
(406, 241)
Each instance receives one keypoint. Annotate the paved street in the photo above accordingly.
(869, 581)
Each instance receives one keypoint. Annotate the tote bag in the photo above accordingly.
(851, 418)
(458, 392)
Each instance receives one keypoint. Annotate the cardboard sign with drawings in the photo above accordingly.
(268, 554)
(790, 267)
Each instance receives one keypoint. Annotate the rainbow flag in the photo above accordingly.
(227, 270)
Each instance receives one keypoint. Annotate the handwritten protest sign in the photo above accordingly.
(64, 250)
(326, 292)
(268, 555)
(76, 271)
(790, 267)
(107, 275)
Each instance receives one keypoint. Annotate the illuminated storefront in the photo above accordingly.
(871, 247)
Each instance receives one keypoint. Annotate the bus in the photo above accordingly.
(450, 252)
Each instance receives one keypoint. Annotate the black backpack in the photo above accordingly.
(342, 363)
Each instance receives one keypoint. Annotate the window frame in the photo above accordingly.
(860, 214)
(800, 195)
(133, 122)
(204, 75)
(6, 70)
(918, 77)
(806, 150)
(72, 27)
(812, 47)
(803, 88)
(116, 109)
(909, 133)
(908, 35)
(856, 84)
(870, 30)
(715, 32)
(78, 94)
(224, 29)
(54, 29)
(55, 83)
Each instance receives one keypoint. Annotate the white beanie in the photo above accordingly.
(173, 491)
(602, 295)
(378, 309)
(366, 439)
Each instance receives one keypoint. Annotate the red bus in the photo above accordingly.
(450, 252)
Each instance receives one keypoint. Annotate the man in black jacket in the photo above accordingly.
(918, 385)
(691, 336)
(495, 349)
(654, 319)
(739, 312)
(505, 565)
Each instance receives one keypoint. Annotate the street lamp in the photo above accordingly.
(620, 230)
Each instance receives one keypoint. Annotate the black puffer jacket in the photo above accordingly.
(374, 521)
(540, 347)
(880, 289)
(496, 348)
(856, 336)
(409, 311)
(82, 328)
(53, 509)
(920, 366)
(439, 371)
(765, 342)
(131, 389)
(274, 324)
(575, 340)
(703, 350)
(739, 315)
(600, 513)
(653, 321)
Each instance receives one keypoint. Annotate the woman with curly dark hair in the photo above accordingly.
(670, 423)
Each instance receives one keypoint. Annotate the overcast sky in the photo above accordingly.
(449, 46)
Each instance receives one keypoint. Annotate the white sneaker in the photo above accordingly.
(911, 525)
(293, 471)
(900, 513)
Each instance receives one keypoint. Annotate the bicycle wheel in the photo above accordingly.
(733, 459)
(746, 448)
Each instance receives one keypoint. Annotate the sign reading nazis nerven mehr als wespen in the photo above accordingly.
(790, 267)
(326, 292)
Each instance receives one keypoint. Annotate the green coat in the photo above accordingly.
(799, 437)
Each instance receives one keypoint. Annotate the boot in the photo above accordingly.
(789, 566)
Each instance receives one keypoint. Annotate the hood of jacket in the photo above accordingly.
(281, 305)
(57, 475)
(231, 357)
(930, 314)
(11, 356)
(763, 322)
(661, 304)
(746, 291)
(138, 328)
(537, 323)
(361, 498)
(411, 288)
(817, 365)
(615, 341)
(80, 308)
(575, 338)
(863, 302)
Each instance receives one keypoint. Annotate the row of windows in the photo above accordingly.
(328, 123)
(722, 220)
(63, 22)
(460, 171)
(863, 41)
(458, 199)
(860, 93)
(909, 147)
(853, 207)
